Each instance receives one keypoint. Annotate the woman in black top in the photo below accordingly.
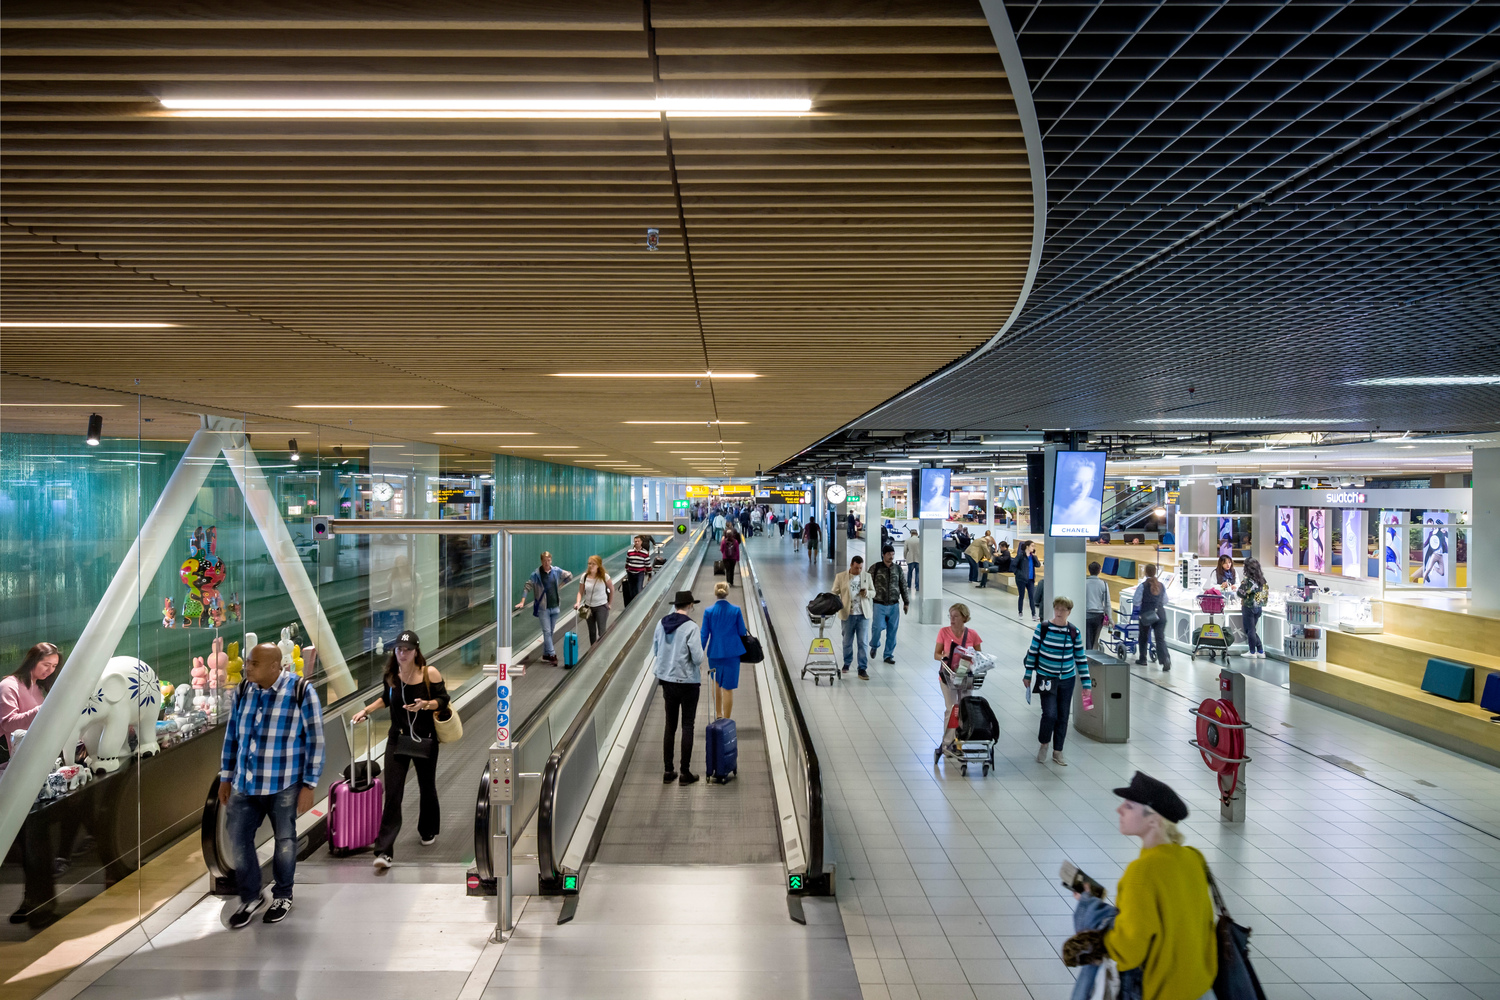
(414, 692)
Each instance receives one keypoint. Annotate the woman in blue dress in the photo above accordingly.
(723, 624)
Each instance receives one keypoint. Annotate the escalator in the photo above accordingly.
(1131, 508)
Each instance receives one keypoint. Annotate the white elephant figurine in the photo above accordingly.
(128, 695)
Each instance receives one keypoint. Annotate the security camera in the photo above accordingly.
(653, 238)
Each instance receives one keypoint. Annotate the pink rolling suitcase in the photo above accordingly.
(355, 804)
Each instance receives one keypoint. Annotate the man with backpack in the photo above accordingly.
(270, 764)
(1058, 660)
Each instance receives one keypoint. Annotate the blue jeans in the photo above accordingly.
(245, 815)
(854, 635)
(548, 617)
(913, 575)
(973, 568)
(1057, 705)
(887, 620)
(1025, 589)
(1250, 618)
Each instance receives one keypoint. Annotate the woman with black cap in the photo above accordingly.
(415, 694)
(1165, 926)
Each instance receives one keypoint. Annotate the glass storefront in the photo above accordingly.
(169, 548)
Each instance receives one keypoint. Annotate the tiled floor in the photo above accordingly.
(1369, 866)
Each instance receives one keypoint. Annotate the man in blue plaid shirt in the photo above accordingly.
(272, 759)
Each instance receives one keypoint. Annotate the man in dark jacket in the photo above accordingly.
(890, 585)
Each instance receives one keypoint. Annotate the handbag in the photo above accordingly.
(753, 653)
(449, 730)
(1236, 979)
(718, 567)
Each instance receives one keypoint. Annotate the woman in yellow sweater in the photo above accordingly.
(1165, 926)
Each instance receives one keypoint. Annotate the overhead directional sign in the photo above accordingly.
(784, 496)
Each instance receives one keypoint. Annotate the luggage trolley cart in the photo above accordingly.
(822, 661)
(973, 748)
(1211, 635)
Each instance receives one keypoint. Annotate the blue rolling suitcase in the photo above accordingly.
(721, 749)
(570, 649)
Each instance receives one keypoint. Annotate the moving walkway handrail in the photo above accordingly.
(813, 771)
(549, 852)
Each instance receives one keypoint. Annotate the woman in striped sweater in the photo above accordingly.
(1057, 658)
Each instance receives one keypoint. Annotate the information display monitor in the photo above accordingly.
(1077, 494)
(933, 487)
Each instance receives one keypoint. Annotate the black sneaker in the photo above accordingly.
(874, 650)
(846, 668)
(889, 659)
(278, 911)
(669, 777)
(686, 778)
(863, 676)
(239, 918)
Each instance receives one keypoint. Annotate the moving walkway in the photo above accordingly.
(594, 784)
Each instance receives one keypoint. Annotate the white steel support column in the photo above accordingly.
(1484, 540)
(99, 639)
(260, 500)
(930, 606)
(989, 504)
(1067, 559)
(874, 518)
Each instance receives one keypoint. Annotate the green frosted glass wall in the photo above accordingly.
(68, 517)
(529, 490)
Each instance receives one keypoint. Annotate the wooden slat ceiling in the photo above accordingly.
(841, 256)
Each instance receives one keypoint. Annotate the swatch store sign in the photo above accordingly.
(1343, 498)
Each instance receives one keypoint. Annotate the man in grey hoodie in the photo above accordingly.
(679, 655)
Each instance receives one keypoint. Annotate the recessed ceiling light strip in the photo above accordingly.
(682, 227)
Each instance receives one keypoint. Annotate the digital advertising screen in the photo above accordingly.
(1434, 549)
(1390, 541)
(1286, 534)
(1317, 540)
(1077, 494)
(933, 487)
(1352, 554)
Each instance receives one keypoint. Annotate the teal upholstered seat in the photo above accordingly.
(1449, 680)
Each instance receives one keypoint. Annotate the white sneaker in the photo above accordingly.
(1057, 758)
(429, 841)
(1041, 753)
(382, 862)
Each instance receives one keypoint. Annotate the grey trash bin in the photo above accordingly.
(1109, 721)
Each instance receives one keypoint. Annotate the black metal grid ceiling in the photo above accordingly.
(1251, 205)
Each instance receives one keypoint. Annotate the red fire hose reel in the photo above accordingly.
(1221, 742)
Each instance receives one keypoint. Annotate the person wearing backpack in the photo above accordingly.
(1164, 930)
(955, 641)
(1057, 658)
(270, 763)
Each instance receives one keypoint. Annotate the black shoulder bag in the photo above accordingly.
(408, 743)
(1236, 979)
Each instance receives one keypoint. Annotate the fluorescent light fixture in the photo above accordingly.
(703, 453)
(699, 375)
(672, 107)
(1253, 420)
(484, 433)
(537, 447)
(684, 423)
(367, 406)
(1430, 380)
(88, 326)
(86, 406)
(681, 442)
